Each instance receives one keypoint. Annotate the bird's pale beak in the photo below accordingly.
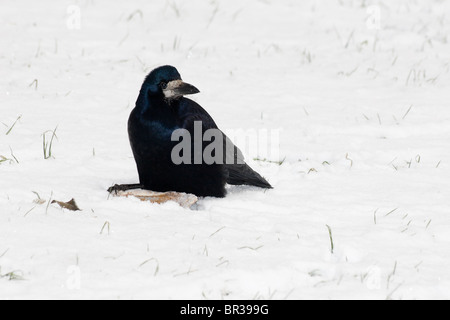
(178, 88)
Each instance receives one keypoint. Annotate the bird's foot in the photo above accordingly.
(123, 187)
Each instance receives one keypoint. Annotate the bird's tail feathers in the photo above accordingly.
(242, 174)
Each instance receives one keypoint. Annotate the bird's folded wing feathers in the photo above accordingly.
(239, 172)
(232, 154)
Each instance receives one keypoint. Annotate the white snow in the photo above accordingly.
(358, 90)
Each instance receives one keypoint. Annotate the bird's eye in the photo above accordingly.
(163, 85)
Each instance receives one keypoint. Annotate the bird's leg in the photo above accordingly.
(124, 187)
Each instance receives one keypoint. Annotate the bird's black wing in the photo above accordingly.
(239, 173)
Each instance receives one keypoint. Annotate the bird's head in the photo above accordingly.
(166, 82)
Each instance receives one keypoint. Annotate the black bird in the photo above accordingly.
(161, 108)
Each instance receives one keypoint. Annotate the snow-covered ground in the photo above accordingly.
(357, 89)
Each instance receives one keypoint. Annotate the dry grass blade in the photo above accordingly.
(331, 239)
(13, 275)
(10, 129)
(212, 234)
(392, 211)
(157, 265)
(407, 112)
(105, 225)
(47, 146)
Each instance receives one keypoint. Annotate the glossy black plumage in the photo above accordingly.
(150, 128)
